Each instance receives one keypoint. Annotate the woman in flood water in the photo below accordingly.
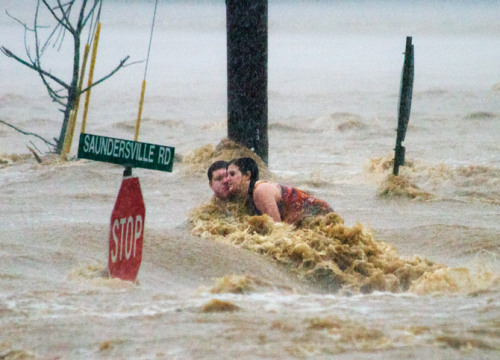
(280, 202)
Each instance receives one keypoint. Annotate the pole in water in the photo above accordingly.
(247, 74)
(72, 123)
(405, 96)
(91, 76)
(128, 171)
(143, 88)
(139, 112)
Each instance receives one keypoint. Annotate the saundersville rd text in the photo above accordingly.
(126, 152)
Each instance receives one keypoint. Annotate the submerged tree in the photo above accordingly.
(69, 20)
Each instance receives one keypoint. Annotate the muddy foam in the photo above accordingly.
(420, 180)
(398, 186)
(97, 274)
(200, 159)
(323, 250)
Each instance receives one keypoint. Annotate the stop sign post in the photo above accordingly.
(127, 231)
(127, 220)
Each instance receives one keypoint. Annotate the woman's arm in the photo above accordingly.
(266, 197)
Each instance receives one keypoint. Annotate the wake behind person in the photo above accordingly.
(280, 202)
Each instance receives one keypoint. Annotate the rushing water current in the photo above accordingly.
(417, 257)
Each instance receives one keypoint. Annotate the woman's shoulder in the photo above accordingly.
(264, 183)
(260, 182)
(265, 186)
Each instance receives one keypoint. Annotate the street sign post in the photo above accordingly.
(127, 231)
(127, 219)
(126, 152)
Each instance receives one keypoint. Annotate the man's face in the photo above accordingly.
(218, 184)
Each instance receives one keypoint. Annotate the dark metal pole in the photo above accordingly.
(247, 74)
(405, 96)
(127, 171)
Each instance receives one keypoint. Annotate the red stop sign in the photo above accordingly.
(127, 230)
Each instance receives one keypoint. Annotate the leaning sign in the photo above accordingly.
(126, 152)
(127, 231)
(128, 218)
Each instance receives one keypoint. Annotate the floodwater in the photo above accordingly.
(417, 257)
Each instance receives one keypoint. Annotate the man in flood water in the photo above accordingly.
(217, 173)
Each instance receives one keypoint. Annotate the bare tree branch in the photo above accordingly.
(10, 54)
(91, 12)
(66, 13)
(27, 48)
(59, 20)
(28, 133)
(59, 38)
(65, 21)
(19, 21)
(35, 60)
(54, 93)
(37, 157)
(36, 147)
(120, 65)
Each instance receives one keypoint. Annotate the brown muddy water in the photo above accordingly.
(407, 268)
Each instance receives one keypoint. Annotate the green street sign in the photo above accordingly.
(126, 152)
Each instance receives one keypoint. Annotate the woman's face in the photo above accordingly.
(236, 181)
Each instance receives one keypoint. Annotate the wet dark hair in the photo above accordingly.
(246, 165)
(220, 164)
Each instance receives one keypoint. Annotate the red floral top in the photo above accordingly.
(296, 204)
